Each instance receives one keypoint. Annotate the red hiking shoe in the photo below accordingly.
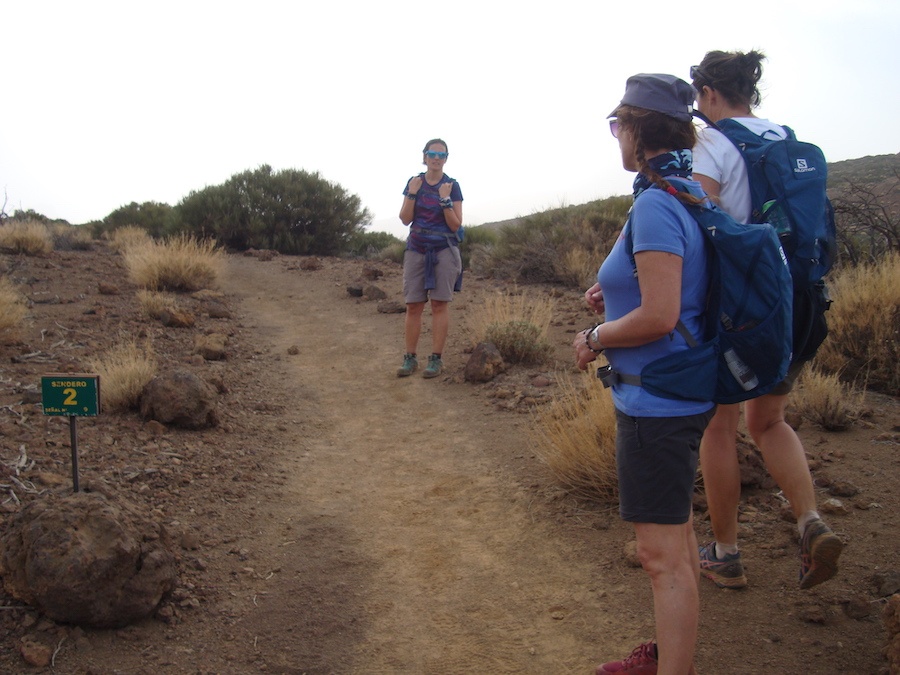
(642, 661)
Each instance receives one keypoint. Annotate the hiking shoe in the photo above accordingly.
(819, 552)
(727, 572)
(642, 661)
(410, 365)
(434, 367)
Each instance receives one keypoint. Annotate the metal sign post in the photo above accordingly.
(72, 396)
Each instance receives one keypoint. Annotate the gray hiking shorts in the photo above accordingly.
(446, 272)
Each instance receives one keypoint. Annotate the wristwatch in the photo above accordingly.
(593, 336)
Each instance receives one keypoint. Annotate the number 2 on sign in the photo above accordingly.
(70, 397)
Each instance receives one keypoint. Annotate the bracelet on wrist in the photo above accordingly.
(446, 203)
(411, 196)
(593, 334)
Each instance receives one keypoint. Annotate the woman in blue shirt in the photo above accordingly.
(657, 439)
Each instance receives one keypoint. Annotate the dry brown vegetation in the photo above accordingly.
(123, 238)
(28, 238)
(12, 306)
(826, 401)
(864, 325)
(575, 436)
(154, 303)
(124, 369)
(180, 263)
(516, 323)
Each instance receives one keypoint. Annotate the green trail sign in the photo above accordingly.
(71, 394)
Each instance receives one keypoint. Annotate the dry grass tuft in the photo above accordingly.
(517, 324)
(153, 303)
(864, 325)
(824, 400)
(71, 237)
(12, 306)
(182, 263)
(123, 238)
(577, 267)
(27, 237)
(576, 437)
(124, 371)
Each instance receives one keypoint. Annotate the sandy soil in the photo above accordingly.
(343, 520)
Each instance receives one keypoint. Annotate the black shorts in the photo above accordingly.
(656, 460)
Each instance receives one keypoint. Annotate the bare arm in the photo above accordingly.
(453, 215)
(710, 187)
(408, 210)
(659, 277)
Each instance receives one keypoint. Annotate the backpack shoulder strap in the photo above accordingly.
(629, 247)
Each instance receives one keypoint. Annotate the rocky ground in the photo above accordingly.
(338, 519)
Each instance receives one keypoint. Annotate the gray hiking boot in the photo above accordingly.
(410, 365)
(434, 367)
(820, 549)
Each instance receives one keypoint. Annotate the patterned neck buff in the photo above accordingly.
(676, 163)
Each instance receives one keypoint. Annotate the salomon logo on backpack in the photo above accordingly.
(787, 190)
(746, 348)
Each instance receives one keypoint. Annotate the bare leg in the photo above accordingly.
(440, 324)
(668, 554)
(413, 325)
(782, 451)
(721, 472)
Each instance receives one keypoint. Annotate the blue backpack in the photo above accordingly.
(746, 348)
(787, 190)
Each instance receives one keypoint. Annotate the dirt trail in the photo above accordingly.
(340, 520)
(418, 533)
(429, 557)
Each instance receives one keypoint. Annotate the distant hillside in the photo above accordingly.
(865, 170)
(870, 171)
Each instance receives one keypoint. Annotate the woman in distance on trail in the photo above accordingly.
(432, 266)
(657, 439)
(726, 85)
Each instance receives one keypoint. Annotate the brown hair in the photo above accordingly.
(735, 75)
(650, 129)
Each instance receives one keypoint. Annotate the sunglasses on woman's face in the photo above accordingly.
(431, 154)
(614, 128)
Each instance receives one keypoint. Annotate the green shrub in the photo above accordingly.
(519, 341)
(517, 323)
(394, 252)
(290, 211)
(564, 246)
(371, 244)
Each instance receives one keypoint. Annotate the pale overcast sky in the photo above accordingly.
(107, 103)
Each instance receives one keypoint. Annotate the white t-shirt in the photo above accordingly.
(716, 157)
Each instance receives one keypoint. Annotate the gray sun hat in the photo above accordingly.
(659, 92)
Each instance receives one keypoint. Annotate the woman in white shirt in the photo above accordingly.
(726, 85)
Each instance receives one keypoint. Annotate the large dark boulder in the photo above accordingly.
(484, 364)
(84, 559)
(180, 398)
